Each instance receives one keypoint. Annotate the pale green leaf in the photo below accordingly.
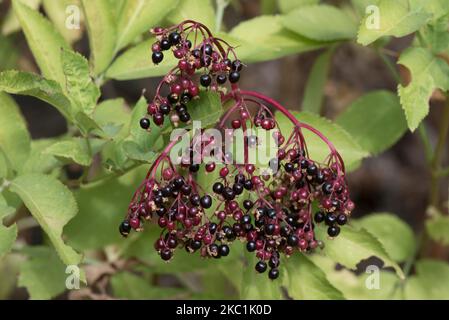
(197, 10)
(435, 36)
(38, 161)
(430, 282)
(395, 235)
(8, 235)
(138, 16)
(438, 228)
(349, 149)
(58, 12)
(353, 246)
(42, 274)
(101, 28)
(396, 18)
(75, 149)
(9, 53)
(11, 24)
(287, 6)
(313, 22)
(136, 152)
(306, 281)
(29, 84)
(14, 136)
(376, 121)
(428, 73)
(9, 269)
(314, 91)
(113, 116)
(52, 205)
(78, 84)
(43, 39)
(87, 124)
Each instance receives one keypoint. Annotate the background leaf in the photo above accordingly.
(197, 10)
(57, 13)
(11, 24)
(375, 120)
(286, 6)
(431, 281)
(438, 228)
(8, 235)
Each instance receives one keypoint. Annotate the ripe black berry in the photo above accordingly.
(247, 204)
(206, 201)
(221, 79)
(218, 187)
(205, 80)
(186, 189)
(269, 229)
(144, 123)
(273, 274)
(319, 217)
(196, 53)
(157, 57)
(312, 170)
(165, 109)
(174, 38)
(166, 254)
(212, 227)
(207, 49)
(246, 219)
(240, 178)
(342, 219)
(125, 228)
(195, 245)
(237, 65)
(223, 250)
(330, 219)
(261, 266)
(327, 188)
(251, 246)
(248, 184)
(228, 193)
(194, 167)
(238, 188)
(195, 199)
(234, 77)
(165, 44)
(173, 98)
(292, 240)
(289, 167)
(184, 117)
(333, 231)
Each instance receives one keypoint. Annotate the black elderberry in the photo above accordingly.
(247, 204)
(206, 201)
(206, 61)
(213, 249)
(186, 189)
(319, 178)
(166, 254)
(165, 44)
(284, 231)
(173, 98)
(186, 97)
(194, 167)
(238, 188)
(125, 228)
(248, 185)
(227, 63)
(234, 77)
(271, 213)
(230, 235)
(195, 199)
(205, 80)
(189, 44)
(158, 200)
(172, 243)
(304, 164)
(196, 53)
(261, 211)
(184, 117)
(144, 123)
(333, 231)
(269, 229)
(166, 191)
(273, 274)
(174, 38)
(165, 109)
(330, 219)
(273, 262)
(251, 246)
(223, 250)
(342, 219)
(312, 170)
(181, 108)
(237, 65)
(292, 240)
(261, 266)
(289, 167)
(319, 217)
(207, 49)
(218, 187)
(221, 79)
(161, 211)
(228, 193)
(246, 219)
(240, 178)
(327, 188)
(178, 182)
(157, 57)
(195, 245)
(212, 227)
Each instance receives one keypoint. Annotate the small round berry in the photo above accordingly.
(273, 274)
(145, 123)
(251, 246)
(269, 229)
(327, 188)
(194, 91)
(207, 49)
(221, 79)
(166, 254)
(165, 44)
(174, 38)
(228, 193)
(195, 199)
(218, 187)
(237, 65)
(248, 185)
(292, 240)
(186, 97)
(194, 167)
(223, 250)
(125, 228)
(205, 80)
(157, 57)
(184, 117)
(206, 201)
(319, 217)
(165, 109)
(186, 189)
(210, 166)
(247, 204)
(238, 188)
(173, 98)
(261, 266)
(312, 170)
(224, 172)
(158, 119)
(333, 231)
(342, 219)
(330, 219)
(195, 245)
(234, 77)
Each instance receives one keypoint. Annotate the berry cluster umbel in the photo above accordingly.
(270, 210)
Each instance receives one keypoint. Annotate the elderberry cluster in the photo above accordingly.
(272, 209)
(207, 57)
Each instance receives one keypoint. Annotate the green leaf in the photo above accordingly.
(353, 246)
(42, 273)
(102, 206)
(113, 116)
(9, 269)
(8, 235)
(14, 136)
(138, 16)
(197, 10)
(79, 85)
(275, 42)
(287, 6)
(135, 152)
(435, 36)
(257, 286)
(11, 24)
(102, 33)
(396, 18)
(126, 285)
(38, 161)
(313, 22)
(76, 150)
(30, 84)
(9, 53)
(52, 205)
(431, 281)
(395, 235)
(349, 149)
(58, 14)
(428, 73)
(314, 91)
(43, 39)
(376, 121)
(306, 281)
(362, 5)
(438, 228)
